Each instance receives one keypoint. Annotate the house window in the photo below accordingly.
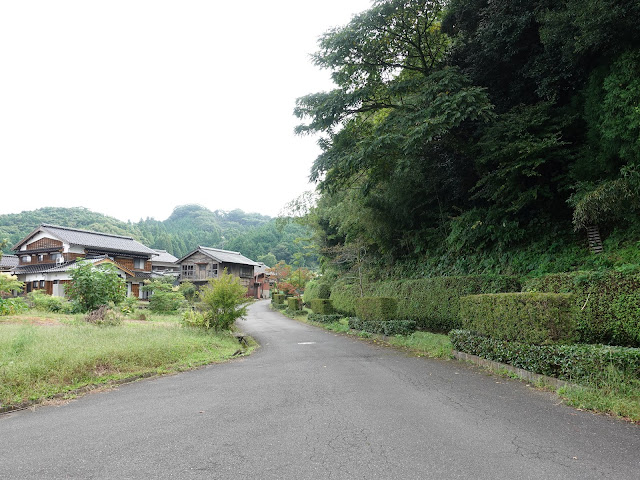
(35, 284)
(187, 270)
(246, 272)
(41, 283)
(139, 263)
(55, 256)
(26, 259)
(41, 257)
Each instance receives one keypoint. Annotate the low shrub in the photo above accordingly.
(388, 327)
(279, 306)
(295, 313)
(324, 318)
(104, 315)
(433, 303)
(376, 308)
(522, 317)
(580, 363)
(321, 306)
(294, 304)
(12, 306)
(129, 306)
(608, 304)
(167, 301)
(47, 303)
(278, 298)
(192, 318)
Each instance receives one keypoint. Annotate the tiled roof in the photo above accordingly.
(163, 257)
(222, 256)
(227, 256)
(95, 240)
(9, 260)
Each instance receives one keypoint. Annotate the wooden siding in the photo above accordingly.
(44, 243)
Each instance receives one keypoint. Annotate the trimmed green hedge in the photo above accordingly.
(376, 308)
(320, 318)
(278, 298)
(279, 306)
(585, 364)
(432, 302)
(388, 327)
(608, 304)
(316, 289)
(521, 317)
(321, 306)
(294, 304)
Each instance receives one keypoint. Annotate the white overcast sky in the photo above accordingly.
(130, 108)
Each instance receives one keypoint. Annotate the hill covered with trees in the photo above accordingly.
(469, 136)
(255, 235)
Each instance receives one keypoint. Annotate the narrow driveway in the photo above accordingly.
(313, 405)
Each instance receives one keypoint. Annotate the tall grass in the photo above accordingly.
(39, 361)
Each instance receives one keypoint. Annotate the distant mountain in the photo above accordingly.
(252, 234)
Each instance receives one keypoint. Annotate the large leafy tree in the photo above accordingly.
(392, 127)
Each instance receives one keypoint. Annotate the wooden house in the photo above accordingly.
(204, 263)
(48, 254)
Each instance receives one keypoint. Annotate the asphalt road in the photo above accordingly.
(313, 405)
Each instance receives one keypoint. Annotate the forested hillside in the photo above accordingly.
(254, 235)
(468, 136)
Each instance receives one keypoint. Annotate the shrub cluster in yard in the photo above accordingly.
(608, 304)
(522, 317)
(47, 303)
(586, 364)
(383, 327)
(432, 302)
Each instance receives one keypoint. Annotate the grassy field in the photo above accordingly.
(44, 354)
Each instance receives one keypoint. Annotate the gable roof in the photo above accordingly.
(222, 256)
(87, 238)
(162, 256)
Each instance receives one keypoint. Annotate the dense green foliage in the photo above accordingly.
(376, 308)
(95, 285)
(433, 303)
(255, 236)
(585, 364)
(165, 297)
(223, 301)
(534, 318)
(321, 306)
(607, 304)
(475, 136)
(294, 303)
(317, 288)
(46, 303)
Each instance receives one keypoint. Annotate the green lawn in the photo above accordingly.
(42, 355)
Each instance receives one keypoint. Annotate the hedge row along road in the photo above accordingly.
(310, 404)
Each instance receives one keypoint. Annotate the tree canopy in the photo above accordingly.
(476, 126)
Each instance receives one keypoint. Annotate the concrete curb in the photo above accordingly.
(519, 372)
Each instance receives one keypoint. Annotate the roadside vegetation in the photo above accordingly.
(48, 351)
